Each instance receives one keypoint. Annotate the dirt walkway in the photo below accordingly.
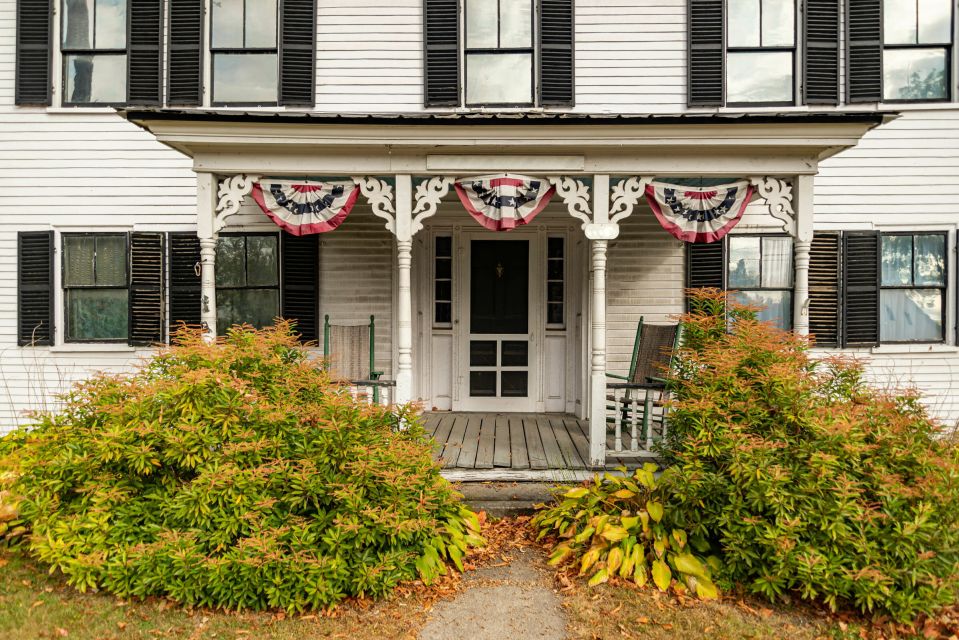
(502, 602)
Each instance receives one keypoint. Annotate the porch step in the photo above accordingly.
(500, 499)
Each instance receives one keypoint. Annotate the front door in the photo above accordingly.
(498, 352)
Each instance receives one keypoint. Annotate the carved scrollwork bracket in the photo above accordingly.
(429, 193)
(230, 197)
(778, 195)
(575, 195)
(625, 194)
(379, 193)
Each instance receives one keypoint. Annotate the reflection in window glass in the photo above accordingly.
(499, 78)
(910, 315)
(257, 307)
(743, 26)
(263, 261)
(774, 306)
(759, 76)
(760, 269)
(516, 23)
(260, 23)
(930, 260)
(77, 24)
(481, 24)
(913, 288)
(231, 261)
(227, 27)
(935, 22)
(914, 74)
(111, 24)
(247, 278)
(778, 23)
(499, 52)
(896, 260)
(95, 78)
(744, 261)
(95, 287)
(245, 77)
(899, 21)
(97, 315)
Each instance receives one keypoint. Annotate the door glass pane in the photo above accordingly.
(935, 17)
(499, 286)
(257, 307)
(930, 260)
(444, 268)
(111, 24)
(743, 27)
(554, 248)
(554, 313)
(743, 262)
(444, 246)
(779, 23)
(230, 263)
(77, 24)
(554, 270)
(910, 314)
(515, 353)
(96, 314)
(261, 23)
(759, 76)
(111, 261)
(777, 263)
(774, 306)
(481, 21)
(914, 74)
(516, 23)
(262, 261)
(444, 290)
(499, 78)
(483, 384)
(513, 384)
(482, 353)
(227, 26)
(244, 77)
(899, 21)
(896, 260)
(444, 312)
(96, 79)
(78, 261)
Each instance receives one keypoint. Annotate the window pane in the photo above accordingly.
(914, 74)
(775, 306)
(513, 384)
(78, 260)
(111, 24)
(444, 246)
(444, 313)
(759, 76)
(227, 24)
(777, 263)
(554, 291)
(499, 79)
(444, 268)
(910, 314)
(743, 27)
(515, 353)
(481, 23)
(935, 17)
(482, 353)
(482, 384)
(899, 21)
(779, 23)
(444, 290)
(896, 260)
(743, 262)
(99, 78)
(246, 306)
(111, 261)
(554, 247)
(262, 261)
(77, 24)
(230, 268)
(554, 313)
(261, 23)
(516, 23)
(554, 269)
(96, 314)
(244, 77)
(930, 258)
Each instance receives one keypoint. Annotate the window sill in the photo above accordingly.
(926, 347)
(94, 347)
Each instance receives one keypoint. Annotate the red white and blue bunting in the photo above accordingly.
(699, 214)
(504, 201)
(305, 207)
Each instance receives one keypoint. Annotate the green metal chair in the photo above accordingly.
(653, 350)
(350, 352)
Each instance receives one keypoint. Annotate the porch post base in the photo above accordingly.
(597, 419)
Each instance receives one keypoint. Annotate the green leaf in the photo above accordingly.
(661, 574)
(706, 590)
(614, 533)
(655, 510)
(687, 563)
(599, 577)
(576, 493)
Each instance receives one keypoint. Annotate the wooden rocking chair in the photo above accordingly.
(633, 402)
(349, 351)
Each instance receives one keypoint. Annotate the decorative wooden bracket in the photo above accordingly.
(379, 194)
(429, 193)
(778, 195)
(575, 195)
(625, 194)
(230, 196)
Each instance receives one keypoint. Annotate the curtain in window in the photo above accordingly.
(303, 208)
(698, 215)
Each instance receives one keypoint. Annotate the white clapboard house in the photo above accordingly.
(505, 186)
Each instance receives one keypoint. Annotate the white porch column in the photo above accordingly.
(803, 208)
(404, 297)
(206, 202)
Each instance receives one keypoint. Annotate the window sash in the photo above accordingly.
(246, 286)
(761, 47)
(760, 288)
(942, 288)
(499, 49)
(67, 287)
(216, 51)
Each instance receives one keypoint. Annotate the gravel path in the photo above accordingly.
(510, 602)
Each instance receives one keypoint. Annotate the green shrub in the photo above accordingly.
(810, 481)
(617, 526)
(235, 475)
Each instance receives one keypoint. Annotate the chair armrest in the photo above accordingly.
(616, 376)
(375, 375)
(655, 379)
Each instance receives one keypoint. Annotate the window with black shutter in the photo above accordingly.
(912, 296)
(145, 52)
(821, 64)
(760, 52)
(917, 49)
(706, 53)
(760, 270)
(706, 265)
(556, 60)
(185, 57)
(247, 280)
(299, 257)
(297, 52)
(34, 52)
(35, 288)
(824, 286)
(147, 303)
(93, 42)
(96, 287)
(860, 289)
(442, 54)
(863, 50)
(185, 290)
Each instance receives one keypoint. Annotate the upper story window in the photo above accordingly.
(244, 51)
(917, 47)
(94, 48)
(761, 48)
(499, 52)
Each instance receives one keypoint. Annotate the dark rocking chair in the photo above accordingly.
(634, 402)
(349, 353)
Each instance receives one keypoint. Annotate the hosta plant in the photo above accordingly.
(238, 475)
(617, 526)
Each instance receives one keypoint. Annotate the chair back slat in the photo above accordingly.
(349, 351)
(654, 351)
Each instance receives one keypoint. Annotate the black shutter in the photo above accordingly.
(705, 266)
(864, 50)
(185, 70)
(35, 288)
(34, 51)
(860, 288)
(824, 274)
(184, 280)
(298, 272)
(144, 52)
(821, 69)
(706, 45)
(441, 24)
(556, 53)
(297, 52)
(146, 288)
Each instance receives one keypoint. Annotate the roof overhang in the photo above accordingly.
(298, 143)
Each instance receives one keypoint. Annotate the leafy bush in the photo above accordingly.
(809, 480)
(617, 526)
(235, 475)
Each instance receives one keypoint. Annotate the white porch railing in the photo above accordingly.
(637, 415)
(381, 392)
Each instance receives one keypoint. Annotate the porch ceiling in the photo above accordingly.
(297, 143)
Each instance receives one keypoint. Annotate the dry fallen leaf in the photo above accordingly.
(62, 632)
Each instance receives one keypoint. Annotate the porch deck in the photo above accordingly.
(514, 446)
